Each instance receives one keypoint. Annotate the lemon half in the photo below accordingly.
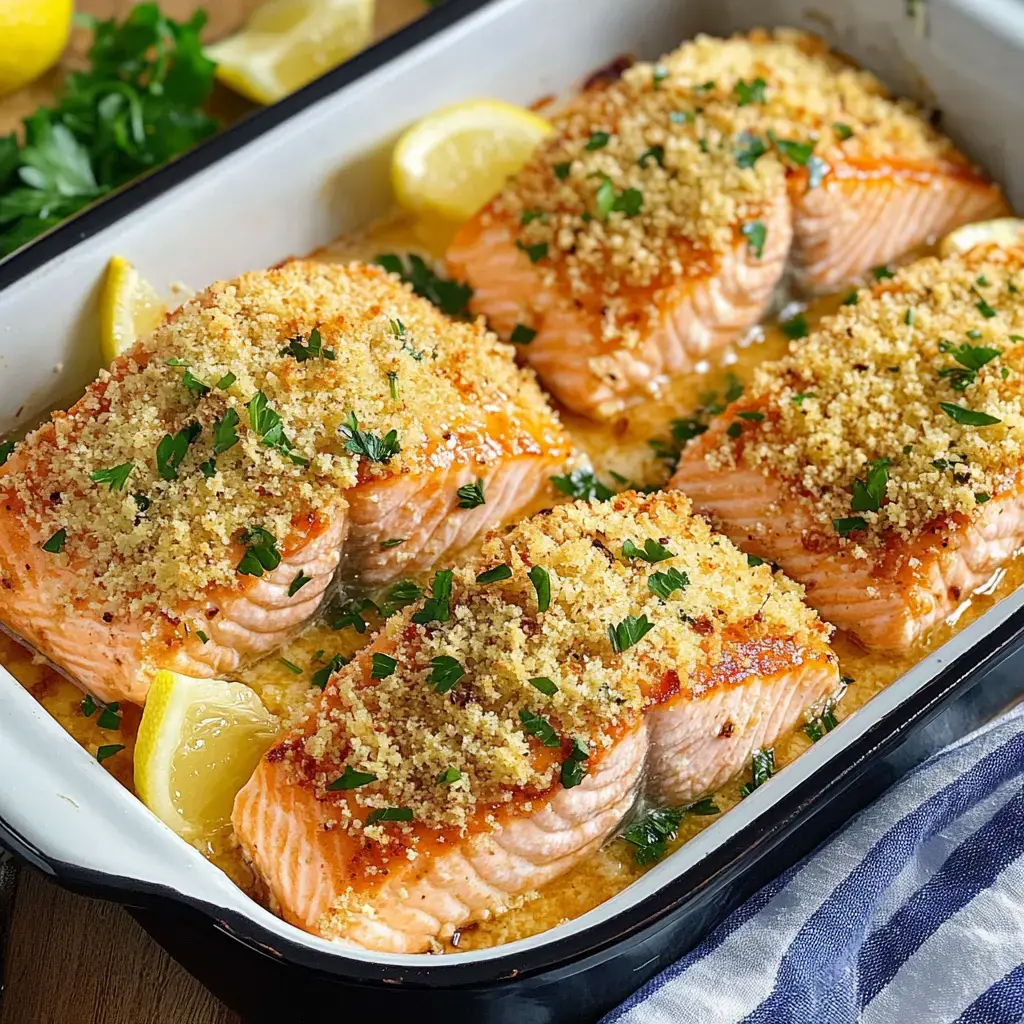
(452, 162)
(1003, 231)
(288, 43)
(129, 309)
(34, 33)
(198, 744)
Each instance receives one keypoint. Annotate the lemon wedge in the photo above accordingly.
(1002, 231)
(288, 43)
(129, 309)
(35, 33)
(199, 742)
(452, 162)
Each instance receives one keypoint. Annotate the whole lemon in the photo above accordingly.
(34, 34)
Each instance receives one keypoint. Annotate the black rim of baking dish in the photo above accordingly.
(131, 197)
(593, 943)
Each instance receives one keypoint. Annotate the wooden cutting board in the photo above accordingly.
(68, 959)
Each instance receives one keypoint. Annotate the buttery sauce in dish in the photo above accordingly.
(647, 234)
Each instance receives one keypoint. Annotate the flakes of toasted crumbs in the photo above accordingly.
(878, 378)
(695, 194)
(462, 385)
(407, 734)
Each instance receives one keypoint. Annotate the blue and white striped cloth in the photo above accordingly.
(913, 913)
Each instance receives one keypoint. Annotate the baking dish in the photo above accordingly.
(287, 182)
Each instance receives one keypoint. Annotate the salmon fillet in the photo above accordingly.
(653, 226)
(494, 735)
(191, 510)
(880, 463)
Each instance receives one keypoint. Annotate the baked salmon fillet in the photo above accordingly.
(652, 227)
(191, 510)
(880, 463)
(495, 734)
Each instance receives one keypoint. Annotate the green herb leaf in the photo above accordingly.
(301, 350)
(704, 807)
(750, 92)
(401, 594)
(844, 527)
(449, 775)
(539, 727)
(842, 131)
(630, 631)
(749, 149)
(115, 477)
(350, 614)
(851, 299)
(630, 202)
(445, 672)
(982, 306)
(751, 416)
(529, 216)
(522, 335)
(798, 153)
(202, 636)
(436, 607)
(291, 666)
(536, 252)
(267, 424)
(544, 685)
(351, 779)
(369, 445)
(261, 554)
(597, 140)
(651, 835)
(562, 170)
(795, 327)
(471, 495)
(825, 722)
(389, 814)
(664, 584)
(541, 581)
(226, 381)
(393, 385)
(882, 272)
(495, 575)
(762, 767)
(753, 561)
(225, 434)
(968, 417)
(392, 542)
(868, 493)
(108, 750)
(981, 497)
(322, 676)
(298, 583)
(5, 451)
(173, 448)
(734, 429)
(583, 485)
(383, 666)
(88, 706)
(756, 235)
(451, 297)
(55, 545)
(652, 551)
(655, 153)
(574, 767)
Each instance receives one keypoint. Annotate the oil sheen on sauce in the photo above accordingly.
(620, 451)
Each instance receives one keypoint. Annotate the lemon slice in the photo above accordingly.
(1002, 231)
(129, 309)
(198, 744)
(35, 33)
(287, 43)
(452, 162)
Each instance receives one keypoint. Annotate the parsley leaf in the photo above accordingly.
(541, 581)
(574, 767)
(298, 583)
(383, 666)
(536, 252)
(582, 484)
(844, 527)
(798, 153)
(823, 723)
(108, 750)
(291, 666)
(322, 675)
(750, 92)
(762, 767)
(868, 493)
(664, 584)
(522, 335)
(495, 575)
(116, 477)
(225, 435)
(402, 593)
(651, 835)
(267, 424)
(655, 153)
(451, 297)
(630, 631)
(261, 554)
(652, 551)
(968, 417)
(436, 607)
(368, 445)
(597, 140)
(449, 775)
(539, 727)
(795, 327)
(351, 779)
(173, 448)
(389, 814)
(5, 451)
(544, 685)
(471, 495)
(445, 672)
(300, 351)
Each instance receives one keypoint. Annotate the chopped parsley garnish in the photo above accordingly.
(291, 666)
(351, 779)
(562, 170)
(392, 542)
(704, 87)
(544, 685)
(651, 835)
(655, 153)
(108, 750)
(267, 424)
(298, 583)
(704, 807)
(971, 359)
(756, 234)
(843, 131)
(981, 497)
(436, 607)
(300, 351)
(968, 417)
(531, 215)
(751, 416)
(401, 594)
(495, 575)
(226, 381)
(522, 335)
(172, 449)
(750, 148)
(825, 722)
(652, 551)
(451, 297)
(597, 140)
(322, 675)
(110, 714)
(55, 545)
(449, 775)
(682, 431)
(982, 306)
(582, 484)
(350, 614)
(539, 727)
(115, 477)
(734, 429)
(868, 493)
(630, 202)
(844, 527)
(541, 581)
(367, 444)
(882, 272)
(5, 451)
(202, 636)
(225, 435)
(795, 327)
(389, 814)
(664, 584)
(574, 767)
(536, 252)
(851, 299)
(471, 495)
(658, 75)
(798, 153)
(753, 561)
(176, 362)
(749, 92)
(762, 767)
(383, 666)
(629, 632)
(908, 317)
(261, 554)
(445, 672)
(397, 328)
(208, 468)
(393, 385)
(194, 384)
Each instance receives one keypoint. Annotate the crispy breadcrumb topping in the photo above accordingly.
(255, 406)
(653, 177)
(902, 410)
(490, 700)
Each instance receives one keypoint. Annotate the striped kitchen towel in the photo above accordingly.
(913, 913)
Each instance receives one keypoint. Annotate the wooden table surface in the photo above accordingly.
(68, 959)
